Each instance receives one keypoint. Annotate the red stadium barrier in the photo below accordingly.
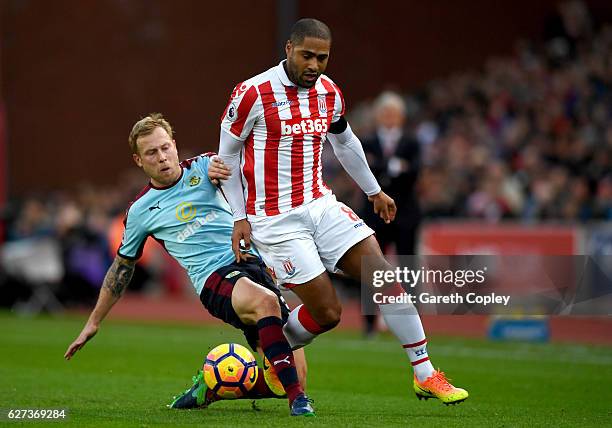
(503, 239)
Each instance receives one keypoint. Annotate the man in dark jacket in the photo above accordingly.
(393, 157)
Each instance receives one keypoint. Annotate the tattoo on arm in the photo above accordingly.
(119, 275)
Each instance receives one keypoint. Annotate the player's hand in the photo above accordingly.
(87, 333)
(242, 232)
(217, 170)
(384, 206)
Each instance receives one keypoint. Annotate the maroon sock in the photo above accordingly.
(276, 348)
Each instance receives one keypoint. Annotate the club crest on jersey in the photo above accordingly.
(194, 181)
(232, 112)
(322, 104)
(289, 268)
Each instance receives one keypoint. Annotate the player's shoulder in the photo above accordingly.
(329, 83)
(199, 160)
(264, 76)
(254, 82)
(326, 78)
(141, 201)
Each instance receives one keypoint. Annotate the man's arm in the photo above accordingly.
(238, 121)
(116, 281)
(348, 150)
(229, 152)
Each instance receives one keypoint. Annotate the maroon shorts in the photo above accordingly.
(216, 296)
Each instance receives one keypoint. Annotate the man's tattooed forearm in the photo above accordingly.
(119, 276)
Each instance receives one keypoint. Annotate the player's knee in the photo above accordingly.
(266, 305)
(333, 317)
(328, 317)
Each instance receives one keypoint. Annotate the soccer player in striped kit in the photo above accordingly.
(272, 135)
(183, 210)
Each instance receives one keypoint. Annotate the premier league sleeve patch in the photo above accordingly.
(232, 112)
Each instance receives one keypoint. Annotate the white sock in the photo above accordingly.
(296, 333)
(404, 322)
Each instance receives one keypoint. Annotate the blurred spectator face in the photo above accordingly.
(390, 111)
(531, 159)
(68, 217)
(33, 221)
(158, 157)
(543, 191)
(604, 191)
(559, 179)
(390, 117)
(575, 17)
(580, 189)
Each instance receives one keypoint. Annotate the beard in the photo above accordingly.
(308, 83)
(298, 79)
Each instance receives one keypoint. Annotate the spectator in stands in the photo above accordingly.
(33, 220)
(393, 156)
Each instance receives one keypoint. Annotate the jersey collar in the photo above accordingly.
(282, 75)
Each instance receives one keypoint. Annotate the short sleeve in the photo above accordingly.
(134, 238)
(241, 112)
(205, 162)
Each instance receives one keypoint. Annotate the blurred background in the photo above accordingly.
(488, 122)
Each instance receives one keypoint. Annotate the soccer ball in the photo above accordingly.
(272, 379)
(230, 370)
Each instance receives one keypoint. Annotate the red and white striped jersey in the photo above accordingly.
(283, 127)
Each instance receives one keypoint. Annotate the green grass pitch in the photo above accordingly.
(128, 373)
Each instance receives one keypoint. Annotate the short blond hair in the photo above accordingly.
(146, 126)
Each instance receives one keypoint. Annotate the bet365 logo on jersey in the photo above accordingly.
(303, 126)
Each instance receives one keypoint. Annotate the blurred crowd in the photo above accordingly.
(72, 238)
(528, 137)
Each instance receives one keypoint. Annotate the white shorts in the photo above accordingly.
(301, 244)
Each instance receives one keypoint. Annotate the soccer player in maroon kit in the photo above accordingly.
(272, 136)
